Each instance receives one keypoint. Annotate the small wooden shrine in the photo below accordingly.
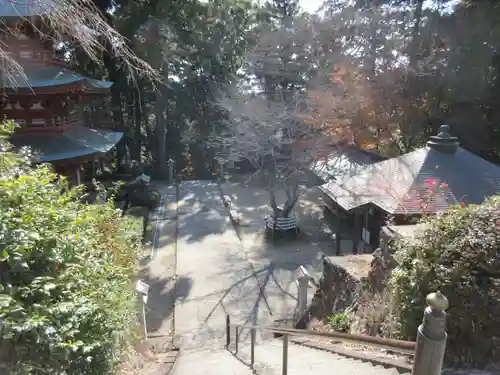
(426, 181)
(48, 100)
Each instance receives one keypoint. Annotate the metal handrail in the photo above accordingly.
(406, 347)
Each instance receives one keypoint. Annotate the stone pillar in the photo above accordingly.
(431, 337)
(302, 278)
(302, 285)
(221, 171)
(327, 285)
(170, 163)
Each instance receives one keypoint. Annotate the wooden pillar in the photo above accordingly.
(338, 249)
(356, 231)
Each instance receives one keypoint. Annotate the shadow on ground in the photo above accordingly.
(194, 209)
(282, 257)
(163, 293)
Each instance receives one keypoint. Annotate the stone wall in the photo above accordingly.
(337, 291)
(341, 292)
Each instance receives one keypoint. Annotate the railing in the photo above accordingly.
(406, 347)
(428, 351)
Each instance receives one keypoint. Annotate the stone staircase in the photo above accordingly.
(303, 360)
(268, 361)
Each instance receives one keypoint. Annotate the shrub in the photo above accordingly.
(67, 303)
(372, 315)
(458, 254)
(340, 322)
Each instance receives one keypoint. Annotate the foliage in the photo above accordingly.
(340, 322)
(67, 303)
(458, 255)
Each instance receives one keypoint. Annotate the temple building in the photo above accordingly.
(400, 190)
(48, 100)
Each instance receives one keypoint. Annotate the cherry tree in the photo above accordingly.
(281, 138)
(273, 139)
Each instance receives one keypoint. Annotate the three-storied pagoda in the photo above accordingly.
(48, 100)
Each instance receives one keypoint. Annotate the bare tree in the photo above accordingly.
(272, 139)
(282, 136)
(78, 21)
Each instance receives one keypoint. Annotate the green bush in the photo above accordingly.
(458, 254)
(67, 303)
(339, 322)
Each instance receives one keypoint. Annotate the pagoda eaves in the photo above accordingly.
(47, 99)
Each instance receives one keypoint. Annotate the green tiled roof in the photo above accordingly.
(38, 77)
(26, 8)
(77, 142)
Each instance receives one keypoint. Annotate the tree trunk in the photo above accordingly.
(274, 205)
(290, 203)
(161, 161)
(118, 123)
(415, 39)
(138, 125)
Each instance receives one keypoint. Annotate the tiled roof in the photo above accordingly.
(402, 185)
(77, 142)
(343, 160)
(38, 77)
(26, 8)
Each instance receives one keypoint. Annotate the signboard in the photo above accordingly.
(142, 288)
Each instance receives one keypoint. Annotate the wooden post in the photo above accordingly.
(355, 237)
(338, 249)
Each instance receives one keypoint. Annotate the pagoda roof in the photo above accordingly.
(77, 142)
(42, 77)
(26, 8)
(429, 179)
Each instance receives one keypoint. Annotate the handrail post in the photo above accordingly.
(228, 331)
(285, 354)
(252, 346)
(236, 339)
(431, 337)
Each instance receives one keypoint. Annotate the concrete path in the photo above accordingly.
(279, 262)
(214, 277)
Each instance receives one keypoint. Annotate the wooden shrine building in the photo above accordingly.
(48, 100)
(427, 180)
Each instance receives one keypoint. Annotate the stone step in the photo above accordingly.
(303, 360)
(205, 362)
